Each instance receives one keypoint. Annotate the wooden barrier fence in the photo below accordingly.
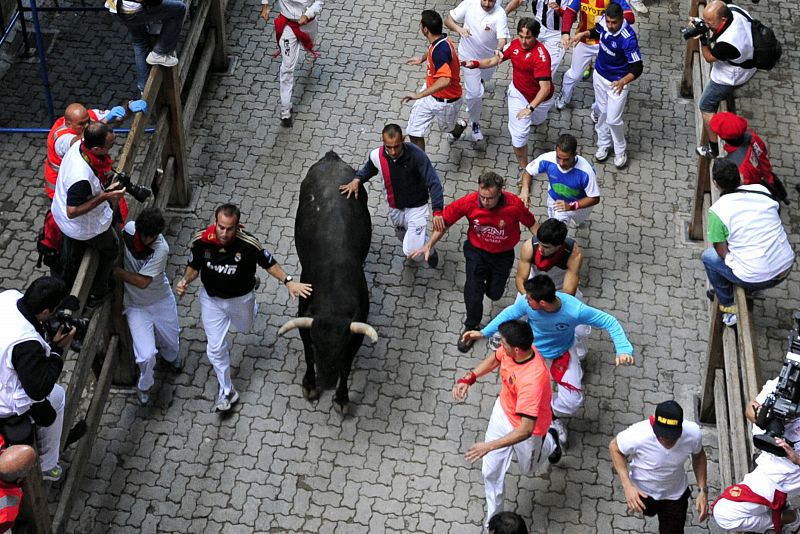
(107, 353)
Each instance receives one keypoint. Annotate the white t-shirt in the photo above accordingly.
(657, 471)
(486, 29)
(153, 266)
(783, 473)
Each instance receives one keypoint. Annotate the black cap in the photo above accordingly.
(668, 421)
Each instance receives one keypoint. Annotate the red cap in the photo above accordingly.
(728, 125)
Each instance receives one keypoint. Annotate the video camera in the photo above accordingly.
(62, 319)
(139, 192)
(698, 27)
(782, 405)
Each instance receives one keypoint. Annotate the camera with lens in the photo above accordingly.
(782, 405)
(139, 192)
(698, 27)
(64, 320)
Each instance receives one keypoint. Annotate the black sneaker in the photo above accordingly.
(433, 259)
(286, 119)
(465, 346)
(555, 456)
(711, 294)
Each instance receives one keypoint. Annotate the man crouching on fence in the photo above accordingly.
(149, 303)
(759, 502)
(29, 369)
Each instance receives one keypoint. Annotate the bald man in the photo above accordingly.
(728, 46)
(69, 128)
(15, 464)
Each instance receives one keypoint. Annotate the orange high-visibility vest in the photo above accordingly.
(53, 161)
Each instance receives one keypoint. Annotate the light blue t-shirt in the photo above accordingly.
(554, 333)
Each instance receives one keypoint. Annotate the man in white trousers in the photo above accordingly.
(149, 304)
(521, 417)
(619, 62)
(588, 12)
(483, 27)
(295, 26)
(225, 257)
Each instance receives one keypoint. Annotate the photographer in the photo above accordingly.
(30, 367)
(726, 42)
(758, 503)
(82, 207)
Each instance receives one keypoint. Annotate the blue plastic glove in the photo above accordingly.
(117, 112)
(138, 105)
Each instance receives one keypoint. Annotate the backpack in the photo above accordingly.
(776, 187)
(766, 48)
(48, 243)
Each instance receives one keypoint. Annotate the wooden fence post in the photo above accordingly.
(181, 192)
(219, 63)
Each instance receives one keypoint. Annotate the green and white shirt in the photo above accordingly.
(751, 224)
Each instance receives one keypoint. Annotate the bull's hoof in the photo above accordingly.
(342, 409)
(311, 394)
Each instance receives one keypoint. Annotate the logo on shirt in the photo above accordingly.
(613, 44)
(735, 491)
(501, 224)
(562, 326)
(237, 257)
(207, 255)
(222, 269)
(512, 379)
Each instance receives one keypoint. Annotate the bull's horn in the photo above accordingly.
(299, 322)
(364, 328)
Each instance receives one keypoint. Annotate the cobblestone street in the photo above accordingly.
(280, 464)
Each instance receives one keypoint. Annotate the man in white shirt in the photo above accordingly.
(760, 501)
(653, 475)
(149, 303)
(296, 26)
(750, 247)
(483, 27)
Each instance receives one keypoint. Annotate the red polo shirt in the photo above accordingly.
(493, 230)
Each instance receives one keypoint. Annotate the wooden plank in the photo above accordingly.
(714, 361)
(747, 345)
(69, 489)
(198, 81)
(736, 403)
(172, 98)
(689, 57)
(151, 89)
(166, 183)
(723, 430)
(86, 272)
(95, 332)
(702, 185)
(190, 45)
(216, 20)
(34, 514)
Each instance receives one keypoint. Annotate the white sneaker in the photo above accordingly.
(602, 153)
(639, 6)
(165, 60)
(226, 402)
(143, 396)
(729, 319)
(620, 160)
(560, 102)
(477, 135)
(558, 424)
(494, 341)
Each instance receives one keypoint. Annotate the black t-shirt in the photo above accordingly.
(228, 272)
(79, 193)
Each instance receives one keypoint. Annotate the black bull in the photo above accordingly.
(332, 235)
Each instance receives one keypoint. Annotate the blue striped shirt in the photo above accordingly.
(617, 50)
(577, 183)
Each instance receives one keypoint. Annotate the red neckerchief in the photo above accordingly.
(138, 246)
(100, 165)
(305, 39)
(545, 263)
(209, 235)
(742, 493)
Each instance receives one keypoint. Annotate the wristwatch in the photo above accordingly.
(532, 108)
(287, 279)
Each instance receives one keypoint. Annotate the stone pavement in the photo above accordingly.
(280, 464)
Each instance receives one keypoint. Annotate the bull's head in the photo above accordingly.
(307, 322)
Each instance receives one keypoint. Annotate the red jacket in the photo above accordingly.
(753, 162)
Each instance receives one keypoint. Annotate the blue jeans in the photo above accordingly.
(722, 278)
(170, 14)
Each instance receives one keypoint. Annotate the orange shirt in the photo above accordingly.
(526, 390)
(443, 63)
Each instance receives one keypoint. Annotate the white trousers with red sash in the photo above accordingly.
(290, 54)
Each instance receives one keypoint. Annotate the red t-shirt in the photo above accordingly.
(530, 67)
(443, 63)
(526, 390)
(755, 165)
(493, 230)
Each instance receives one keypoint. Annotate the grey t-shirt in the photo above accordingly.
(154, 266)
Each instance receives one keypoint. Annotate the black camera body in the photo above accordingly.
(698, 27)
(781, 406)
(139, 192)
(64, 320)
